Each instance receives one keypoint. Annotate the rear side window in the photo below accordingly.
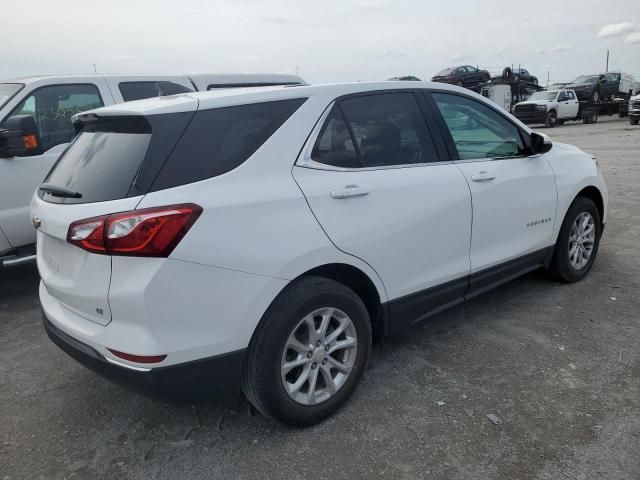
(376, 130)
(139, 90)
(221, 139)
(334, 145)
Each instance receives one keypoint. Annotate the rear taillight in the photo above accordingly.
(149, 232)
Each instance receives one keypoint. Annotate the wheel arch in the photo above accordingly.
(358, 281)
(593, 193)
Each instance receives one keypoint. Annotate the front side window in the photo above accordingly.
(612, 77)
(477, 130)
(52, 108)
(140, 90)
(563, 97)
(571, 96)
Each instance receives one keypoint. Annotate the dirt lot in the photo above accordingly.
(558, 365)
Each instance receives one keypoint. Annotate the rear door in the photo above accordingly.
(52, 106)
(513, 194)
(567, 104)
(385, 193)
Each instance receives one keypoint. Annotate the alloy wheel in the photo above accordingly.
(319, 356)
(581, 240)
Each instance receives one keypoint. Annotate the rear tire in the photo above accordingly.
(577, 245)
(459, 84)
(285, 337)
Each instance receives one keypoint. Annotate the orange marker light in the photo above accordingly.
(30, 141)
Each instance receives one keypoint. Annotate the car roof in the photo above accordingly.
(239, 96)
(205, 77)
(37, 78)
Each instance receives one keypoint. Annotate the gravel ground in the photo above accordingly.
(557, 365)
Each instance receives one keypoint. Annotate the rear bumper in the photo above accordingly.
(213, 376)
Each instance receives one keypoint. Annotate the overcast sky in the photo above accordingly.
(328, 40)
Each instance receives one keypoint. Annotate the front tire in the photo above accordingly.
(633, 121)
(578, 241)
(551, 120)
(308, 353)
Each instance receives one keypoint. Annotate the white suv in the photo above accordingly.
(264, 236)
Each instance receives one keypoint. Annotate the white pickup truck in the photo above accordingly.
(35, 128)
(551, 107)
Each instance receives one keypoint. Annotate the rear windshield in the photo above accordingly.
(7, 91)
(102, 161)
(444, 72)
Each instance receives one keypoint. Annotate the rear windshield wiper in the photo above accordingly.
(58, 191)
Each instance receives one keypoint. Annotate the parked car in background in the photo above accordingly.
(51, 101)
(524, 75)
(164, 264)
(463, 76)
(550, 107)
(604, 86)
(409, 78)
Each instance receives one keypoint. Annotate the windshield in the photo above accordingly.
(543, 96)
(444, 72)
(586, 79)
(7, 91)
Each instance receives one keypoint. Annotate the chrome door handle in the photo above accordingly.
(348, 192)
(482, 177)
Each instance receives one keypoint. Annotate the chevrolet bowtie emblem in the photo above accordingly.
(36, 222)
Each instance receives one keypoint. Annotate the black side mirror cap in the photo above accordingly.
(540, 143)
(20, 137)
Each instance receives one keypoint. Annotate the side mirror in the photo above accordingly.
(20, 138)
(540, 143)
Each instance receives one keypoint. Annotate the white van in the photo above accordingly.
(50, 102)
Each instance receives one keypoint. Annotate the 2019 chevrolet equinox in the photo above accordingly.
(264, 236)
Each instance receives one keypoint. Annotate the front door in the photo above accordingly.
(373, 179)
(52, 107)
(513, 194)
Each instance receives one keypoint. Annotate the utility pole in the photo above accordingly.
(607, 67)
(297, 69)
(547, 79)
(95, 70)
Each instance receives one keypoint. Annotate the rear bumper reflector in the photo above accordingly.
(138, 358)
